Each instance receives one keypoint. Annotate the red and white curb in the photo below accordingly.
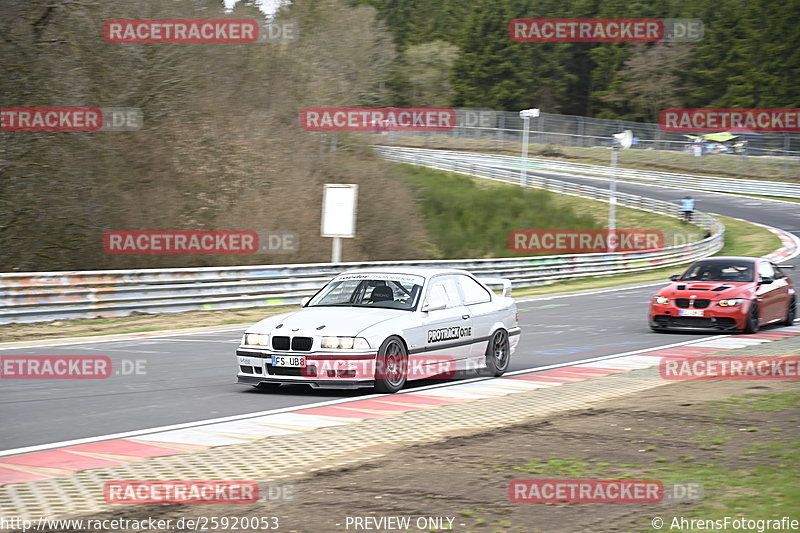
(16, 466)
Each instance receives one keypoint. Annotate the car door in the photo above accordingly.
(770, 295)
(478, 301)
(783, 290)
(443, 334)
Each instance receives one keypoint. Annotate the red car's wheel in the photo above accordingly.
(791, 312)
(751, 322)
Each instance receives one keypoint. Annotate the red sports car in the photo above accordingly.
(725, 293)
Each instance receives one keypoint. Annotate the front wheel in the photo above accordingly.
(751, 322)
(498, 354)
(391, 368)
(791, 312)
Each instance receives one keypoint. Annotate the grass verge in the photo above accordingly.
(472, 217)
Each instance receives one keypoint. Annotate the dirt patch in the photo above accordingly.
(714, 433)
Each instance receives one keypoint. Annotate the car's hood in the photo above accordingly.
(712, 290)
(338, 321)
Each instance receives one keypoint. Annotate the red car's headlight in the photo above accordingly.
(661, 300)
(731, 302)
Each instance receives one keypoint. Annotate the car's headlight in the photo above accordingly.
(731, 302)
(661, 300)
(256, 339)
(345, 343)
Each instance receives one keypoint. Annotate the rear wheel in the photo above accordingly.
(498, 354)
(391, 369)
(791, 312)
(751, 323)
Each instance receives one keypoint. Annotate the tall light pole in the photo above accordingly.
(619, 141)
(526, 115)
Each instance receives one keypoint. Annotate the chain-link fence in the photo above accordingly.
(752, 154)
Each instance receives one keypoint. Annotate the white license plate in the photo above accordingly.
(690, 312)
(289, 360)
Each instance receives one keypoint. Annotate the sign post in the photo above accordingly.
(526, 115)
(339, 215)
(619, 141)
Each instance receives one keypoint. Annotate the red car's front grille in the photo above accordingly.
(699, 303)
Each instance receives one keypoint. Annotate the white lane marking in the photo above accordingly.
(244, 428)
(453, 392)
(294, 419)
(731, 343)
(487, 387)
(518, 384)
(192, 436)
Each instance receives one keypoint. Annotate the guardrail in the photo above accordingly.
(650, 177)
(47, 296)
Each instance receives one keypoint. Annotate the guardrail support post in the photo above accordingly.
(612, 201)
(523, 173)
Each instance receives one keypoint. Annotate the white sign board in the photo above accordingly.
(339, 210)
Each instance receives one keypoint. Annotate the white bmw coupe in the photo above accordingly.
(380, 327)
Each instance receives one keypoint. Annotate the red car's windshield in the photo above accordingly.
(720, 271)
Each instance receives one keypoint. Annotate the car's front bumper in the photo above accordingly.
(715, 318)
(322, 369)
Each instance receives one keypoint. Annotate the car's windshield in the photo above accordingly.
(383, 290)
(719, 271)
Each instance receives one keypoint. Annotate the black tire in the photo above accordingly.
(498, 353)
(791, 312)
(391, 366)
(751, 322)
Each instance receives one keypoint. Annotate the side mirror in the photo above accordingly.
(434, 305)
(674, 277)
(766, 281)
(304, 301)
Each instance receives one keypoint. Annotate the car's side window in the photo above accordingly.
(448, 287)
(473, 292)
(765, 270)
